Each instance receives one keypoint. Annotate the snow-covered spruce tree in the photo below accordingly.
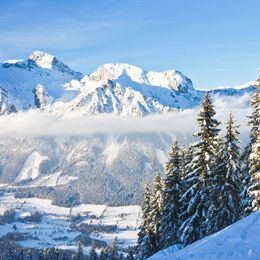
(171, 193)
(93, 252)
(197, 197)
(11, 254)
(130, 255)
(187, 181)
(186, 168)
(254, 155)
(183, 154)
(104, 254)
(245, 200)
(246, 195)
(145, 236)
(114, 254)
(225, 192)
(79, 254)
(156, 211)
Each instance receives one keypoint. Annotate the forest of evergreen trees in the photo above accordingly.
(208, 185)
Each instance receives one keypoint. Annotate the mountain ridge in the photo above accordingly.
(114, 88)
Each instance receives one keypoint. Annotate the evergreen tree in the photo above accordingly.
(114, 255)
(56, 252)
(183, 154)
(171, 193)
(30, 254)
(187, 182)
(93, 253)
(145, 235)
(104, 254)
(156, 210)
(197, 196)
(121, 256)
(225, 193)
(79, 254)
(187, 159)
(130, 255)
(11, 255)
(41, 255)
(21, 255)
(149, 235)
(254, 155)
(245, 182)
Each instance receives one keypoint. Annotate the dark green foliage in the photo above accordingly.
(171, 194)
(93, 253)
(114, 254)
(145, 235)
(130, 255)
(254, 154)
(79, 254)
(155, 214)
(199, 180)
(149, 234)
(225, 193)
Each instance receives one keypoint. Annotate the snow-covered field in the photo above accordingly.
(56, 229)
(239, 241)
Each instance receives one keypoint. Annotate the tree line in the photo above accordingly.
(12, 251)
(208, 185)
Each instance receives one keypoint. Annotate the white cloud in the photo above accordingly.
(35, 123)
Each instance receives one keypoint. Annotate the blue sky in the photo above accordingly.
(215, 43)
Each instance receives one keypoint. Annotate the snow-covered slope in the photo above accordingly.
(239, 241)
(42, 81)
(30, 169)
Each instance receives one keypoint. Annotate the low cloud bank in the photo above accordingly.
(35, 123)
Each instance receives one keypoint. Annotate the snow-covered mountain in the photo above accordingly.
(42, 81)
(239, 241)
(19, 78)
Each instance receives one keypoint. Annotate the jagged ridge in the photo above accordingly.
(116, 88)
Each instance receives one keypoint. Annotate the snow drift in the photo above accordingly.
(239, 241)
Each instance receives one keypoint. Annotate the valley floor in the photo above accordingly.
(62, 227)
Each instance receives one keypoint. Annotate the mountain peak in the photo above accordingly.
(126, 74)
(42, 59)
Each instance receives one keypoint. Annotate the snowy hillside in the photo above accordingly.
(61, 168)
(239, 241)
(42, 81)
